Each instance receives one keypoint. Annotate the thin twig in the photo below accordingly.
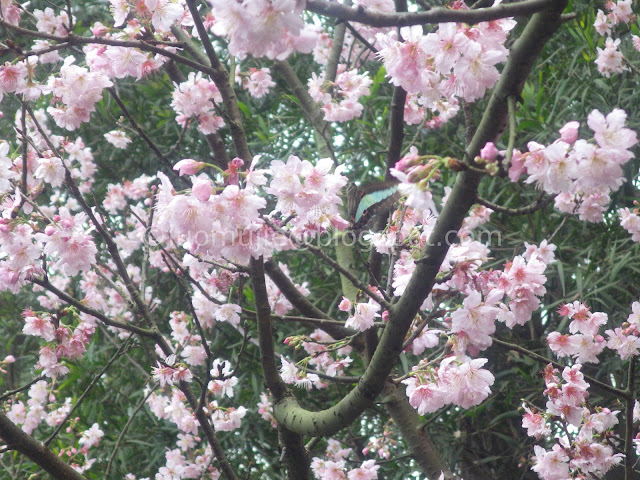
(597, 383)
(125, 345)
(124, 432)
(540, 203)
(24, 387)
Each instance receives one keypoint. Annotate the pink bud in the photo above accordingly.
(236, 164)
(406, 162)
(49, 230)
(489, 152)
(202, 190)
(188, 166)
(9, 359)
(569, 133)
(56, 218)
(345, 305)
(418, 173)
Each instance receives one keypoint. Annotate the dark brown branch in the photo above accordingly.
(209, 432)
(396, 128)
(304, 306)
(265, 337)
(44, 283)
(26, 445)
(72, 39)
(24, 387)
(434, 15)
(295, 455)
(150, 143)
(333, 264)
(360, 38)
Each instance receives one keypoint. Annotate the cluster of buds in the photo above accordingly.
(420, 169)
(415, 172)
(296, 341)
(490, 158)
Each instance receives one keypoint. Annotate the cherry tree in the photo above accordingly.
(316, 239)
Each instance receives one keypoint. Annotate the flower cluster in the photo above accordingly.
(415, 172)
(160, 13)
(455, 60)
(339, 99)
(610, 60)
(364, 314)
(584, 343)
(458, 380)
(257, 81)
(116, 61)
(320, 346)
(581, 173)
(309, 193)
(334, 465)
(262, 28)
(589, 452)
(198, 97)
(630, 221)
(76, 91)
(223, 226)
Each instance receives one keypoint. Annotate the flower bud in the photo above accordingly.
(489, 152)
(188, 166)
(569, 133)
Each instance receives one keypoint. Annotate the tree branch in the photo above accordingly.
(326, 422)
(295, 455)
(26, 445)
(434, 15)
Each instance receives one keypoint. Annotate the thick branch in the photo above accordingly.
(629, 450)
(295, 455)
(25, 444)
(326, 422)
(396, 128)
(265, 335)
(423, 451)
(435, 15)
